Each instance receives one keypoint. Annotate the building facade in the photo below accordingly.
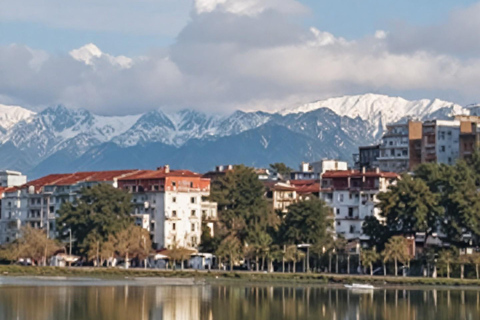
(400, 150)
(441, 141)
(314, 170)
(352, 195)
(37, 202)
(171, 205)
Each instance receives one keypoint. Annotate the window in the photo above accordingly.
(192, 199)
(352, 229)
(174, 226)
(174, 184)
(350, 212)
(174, 199)
(340, 197)
(193, 213)
(174, 213)
(339, 223)
(442, 148)
(191, 184)
(194, 241)
(350, 196)
(338, 211)
(193, 227)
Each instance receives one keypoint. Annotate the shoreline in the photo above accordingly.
(192, 277)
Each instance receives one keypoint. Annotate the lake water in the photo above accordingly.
(141, 300)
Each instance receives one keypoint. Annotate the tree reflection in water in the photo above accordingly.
(234, 302)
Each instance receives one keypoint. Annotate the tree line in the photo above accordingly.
(439, 201)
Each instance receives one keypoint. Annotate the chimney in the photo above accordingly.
(377, 170)
(364, 170)
(167, 168)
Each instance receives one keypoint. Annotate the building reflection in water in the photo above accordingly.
(235, 302)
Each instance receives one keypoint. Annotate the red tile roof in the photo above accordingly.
(358, 174)
(73, 178)
(160, 174)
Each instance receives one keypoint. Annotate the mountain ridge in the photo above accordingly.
(58, 136)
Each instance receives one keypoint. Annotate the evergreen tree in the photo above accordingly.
(409, 207)
(101, 210)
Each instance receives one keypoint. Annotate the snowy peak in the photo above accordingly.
(380, 110)
(11, 115)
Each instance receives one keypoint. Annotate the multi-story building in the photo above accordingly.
(9, 178)
(280, 195)
(36, 203)
(469, 135)
(171, 205)
(314, 170)
(352, 195)
(400, 150)
(441, 141)
(367, 157)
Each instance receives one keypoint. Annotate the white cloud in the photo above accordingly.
(90, 52)
(225, 60)
(249, 7)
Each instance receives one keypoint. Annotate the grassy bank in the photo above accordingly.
(244, 277)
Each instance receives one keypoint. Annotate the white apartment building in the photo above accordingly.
(441, 141)
(353, 197)
(9, 178)
(36, 203)
(170, 204)
(314, 170)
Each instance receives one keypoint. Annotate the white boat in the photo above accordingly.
(358, 286)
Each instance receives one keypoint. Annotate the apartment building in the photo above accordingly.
(441, 141)
(314, 170)
(280, 195)
(367, 157)
(171, 205)
(353, 196)
(400, 150)
(36, 203)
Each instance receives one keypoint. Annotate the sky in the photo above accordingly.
(117, 57)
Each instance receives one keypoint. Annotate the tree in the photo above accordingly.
(133, 242)
(396, 249)
(339, 245)
(410, 207)
(369, 257)
(207, 242)
(179, 254)
(282, 169)
(475, 259)
(292, 254)
(32, 243)
(230, 247)
(260, 241)
(307, 222)
(101, 210)
(377, 232)
(241, 203)
(446, 257)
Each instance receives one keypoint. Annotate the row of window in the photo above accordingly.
(193, 227)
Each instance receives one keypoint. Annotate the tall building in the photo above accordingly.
(352, 195)
(171, 205)
(400, 150)
(441, 141)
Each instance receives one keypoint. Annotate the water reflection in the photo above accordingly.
(234, 302)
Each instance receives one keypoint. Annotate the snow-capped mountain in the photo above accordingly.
(11, 115)
(380, 110)
(59, 139)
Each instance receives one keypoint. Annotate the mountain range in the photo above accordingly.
(59, 139)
